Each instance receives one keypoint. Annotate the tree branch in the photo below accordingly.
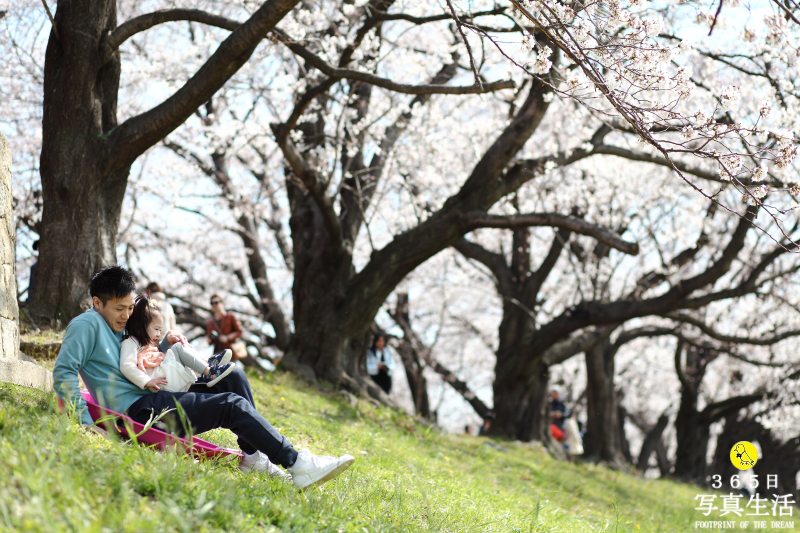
(435, 18)
(493, 261)
(718, 410)
(596, 313)
(605, 149)
(486, 184)
(264, 300)
(679, 364)
(563, 350)
(355, 75)
(130, 139)
(574, 224)
(315, 185)
(534, 283)
(49, 15)
(466, 43)
(361, 186)
(732, 339)
(129, 28)
(748, 286)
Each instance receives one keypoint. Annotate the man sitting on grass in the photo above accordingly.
(91, 348)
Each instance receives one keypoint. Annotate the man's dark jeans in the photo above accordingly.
(228, 404)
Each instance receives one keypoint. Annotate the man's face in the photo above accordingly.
(217, 306)
(115, 311)
(554, 395)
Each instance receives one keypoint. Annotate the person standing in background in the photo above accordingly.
(154, 291)
(223, 330)
(558, 413)
(380, 363)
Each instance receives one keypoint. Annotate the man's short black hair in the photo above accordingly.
(112, 282)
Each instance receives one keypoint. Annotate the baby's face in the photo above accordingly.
(154, 327)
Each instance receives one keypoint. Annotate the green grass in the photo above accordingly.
(407, 477)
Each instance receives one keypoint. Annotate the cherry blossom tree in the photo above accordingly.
(362, 139)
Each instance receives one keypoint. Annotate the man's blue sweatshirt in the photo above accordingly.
(91, 349)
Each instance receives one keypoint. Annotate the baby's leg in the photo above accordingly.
(189, 357)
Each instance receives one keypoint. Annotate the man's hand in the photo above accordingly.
(96, 429)
(223, 339)
(383, 367)
(175, 337)
(153, 384)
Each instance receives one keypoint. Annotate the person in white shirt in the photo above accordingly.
(380, 363)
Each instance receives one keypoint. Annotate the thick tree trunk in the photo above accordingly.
(602, 440)
(324, 344)
(82, 202)
(691, 427)
(521, 372)
(692, 436)
(535, 419)
(520, 402)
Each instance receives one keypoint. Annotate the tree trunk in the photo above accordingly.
(625, 446)
(521, 373)
(691, 429)
(416, 380)
(408, 350)
(651, 442)
(602, 440)
(692, 436)
(664, 466)
(325, 345)
(520, 402)
(82, 201)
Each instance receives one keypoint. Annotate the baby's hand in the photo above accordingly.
(153, 384)
(175, 337)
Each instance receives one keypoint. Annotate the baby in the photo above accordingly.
(145, 366)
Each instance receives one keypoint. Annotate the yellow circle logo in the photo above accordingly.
(744, 455)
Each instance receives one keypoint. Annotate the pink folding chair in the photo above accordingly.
(199, 448)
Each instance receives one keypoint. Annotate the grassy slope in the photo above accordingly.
(57, 477)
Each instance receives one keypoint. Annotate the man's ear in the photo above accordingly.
(97, 303)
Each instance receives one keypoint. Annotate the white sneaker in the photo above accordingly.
(258, 462)
(310, 469)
